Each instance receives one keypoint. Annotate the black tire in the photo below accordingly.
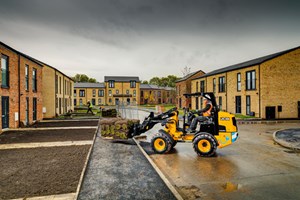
(161, 143)
(205, 145)
(174, 144)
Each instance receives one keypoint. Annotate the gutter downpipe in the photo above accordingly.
(19, 84)
(259, 92)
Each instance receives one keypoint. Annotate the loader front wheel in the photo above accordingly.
(161, 143)
(205, 145)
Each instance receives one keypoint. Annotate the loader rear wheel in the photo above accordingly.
(205, 145)
(161, 143)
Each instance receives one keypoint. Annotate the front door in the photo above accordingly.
(5, 112)
(27, 111)
(238, 104)
(270, 112)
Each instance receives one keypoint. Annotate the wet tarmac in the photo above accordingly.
(255, 167)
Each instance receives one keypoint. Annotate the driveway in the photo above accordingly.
(254, 167)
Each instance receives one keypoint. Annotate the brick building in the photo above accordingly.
(124, 89)
(267, 87)
(21, 88)
(57, 92)
(93, 92)
(183, 86)
(153, 94)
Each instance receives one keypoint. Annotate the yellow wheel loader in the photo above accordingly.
(217, 131)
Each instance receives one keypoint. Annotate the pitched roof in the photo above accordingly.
(249, 63)
(20, 53)
(154, 87)
(188, 76)
(32, 59)
(121, 78)
(89, 85)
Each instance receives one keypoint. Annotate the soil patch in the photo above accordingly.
(65, 123)
(41, 171)
(26, 136)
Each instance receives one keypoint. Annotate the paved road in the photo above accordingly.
(253, 168)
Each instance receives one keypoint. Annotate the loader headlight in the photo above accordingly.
(234, 136)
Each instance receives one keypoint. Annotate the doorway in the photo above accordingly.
(270, 112)
(5, 112)
(238, 104)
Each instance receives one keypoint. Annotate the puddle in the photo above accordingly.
(230, 187)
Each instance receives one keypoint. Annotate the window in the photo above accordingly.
(59, 85)
(214, 85)
(75, 102)
(34, 80)
(117, 91)
(80, 102)
(201, 102)
(222, 84)
(99, 101)
(75, 91)
(127, 91)
(197, 88)
(111, 84)
(142, 94)
(56, 84)
(5, 71)
(109, 93)
(220, 103)
(100, 93)
(202, 86)
(134, 93)
(109, 100)
(159, 93)
(82, 93)
(239, 85)
(34, 108)
(133, 84)
(26, 77)
(250, 80)
(248, 105)
(94, 93)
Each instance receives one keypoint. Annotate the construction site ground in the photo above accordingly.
(29, 171)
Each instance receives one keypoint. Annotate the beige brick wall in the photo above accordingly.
(280, 84)
(89, 95)
(122, 87)
(64, 94)
(49, 91)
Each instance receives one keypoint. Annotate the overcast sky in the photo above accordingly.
(148, 38)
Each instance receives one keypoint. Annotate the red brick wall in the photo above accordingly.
(13, 90)
(30, 93)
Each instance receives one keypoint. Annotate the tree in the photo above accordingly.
(145, 82)
(83, 78)
(186, 70)
(168, 81)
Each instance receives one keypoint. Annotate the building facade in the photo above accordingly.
(122, 89)
(21, 88)
(183, 86)
(57, 92)
(153, 94)
(93, 92)
(265, 87)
